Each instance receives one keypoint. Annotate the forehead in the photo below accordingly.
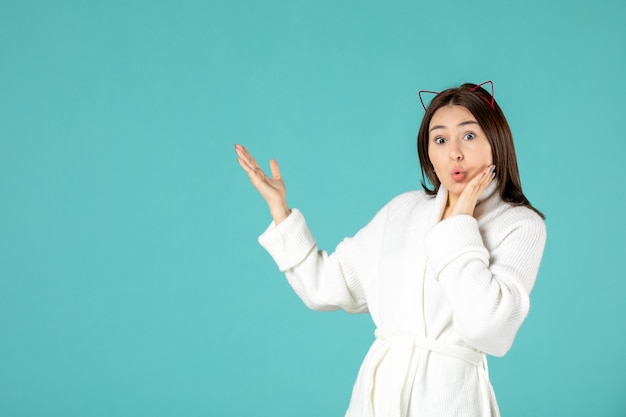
(451, 116)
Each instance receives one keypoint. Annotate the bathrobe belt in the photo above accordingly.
(400, 350)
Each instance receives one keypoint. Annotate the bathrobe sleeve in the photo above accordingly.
(326, 282)
(488, 289)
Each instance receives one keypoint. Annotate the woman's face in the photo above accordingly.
(458, 148)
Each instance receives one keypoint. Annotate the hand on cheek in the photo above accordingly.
(466, 203)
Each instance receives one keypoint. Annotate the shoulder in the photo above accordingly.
(523, 215)
(517, 220)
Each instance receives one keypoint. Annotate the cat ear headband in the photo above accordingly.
(473, 90)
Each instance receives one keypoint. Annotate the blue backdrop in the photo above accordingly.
(131, 282)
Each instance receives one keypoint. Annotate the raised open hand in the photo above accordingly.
(272, 189)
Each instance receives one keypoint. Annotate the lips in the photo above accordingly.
(458, 174)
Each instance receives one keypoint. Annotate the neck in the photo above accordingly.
(452, 199)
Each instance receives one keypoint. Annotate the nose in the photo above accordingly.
(455, 152)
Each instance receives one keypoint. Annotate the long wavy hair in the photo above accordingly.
(492, 121)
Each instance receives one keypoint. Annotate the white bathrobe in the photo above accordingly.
(442, 294)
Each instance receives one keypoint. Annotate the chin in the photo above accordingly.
(454, 188)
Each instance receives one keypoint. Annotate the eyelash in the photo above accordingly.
(440, 140)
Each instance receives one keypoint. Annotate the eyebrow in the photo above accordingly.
(465, 123)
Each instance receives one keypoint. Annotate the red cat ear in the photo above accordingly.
(420, 96)
(490, 102)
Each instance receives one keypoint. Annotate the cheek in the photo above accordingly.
(433, 156)
(487, 154)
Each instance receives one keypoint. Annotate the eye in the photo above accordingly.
(469, 136)
(439, 140)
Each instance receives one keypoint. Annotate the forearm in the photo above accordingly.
(488, 308)
(322, 281)
(487, 283)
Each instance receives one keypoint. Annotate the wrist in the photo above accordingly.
(279, 212)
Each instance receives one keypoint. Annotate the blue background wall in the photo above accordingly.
(131, 282)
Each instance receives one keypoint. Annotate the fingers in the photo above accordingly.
(490, 174)
(252, 168)
(479, 183)
(483, 179)
(248, 163)
(245, 156)
(246, 167)
(271, 189)
(275, 169)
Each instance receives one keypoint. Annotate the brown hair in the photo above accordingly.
(492, 121)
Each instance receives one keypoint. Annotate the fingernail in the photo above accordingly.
(493, 167)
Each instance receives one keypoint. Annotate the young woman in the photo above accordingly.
(445, 272)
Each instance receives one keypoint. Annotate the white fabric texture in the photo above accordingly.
(442, 294)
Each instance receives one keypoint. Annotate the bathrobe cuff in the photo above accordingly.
(288, 242)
